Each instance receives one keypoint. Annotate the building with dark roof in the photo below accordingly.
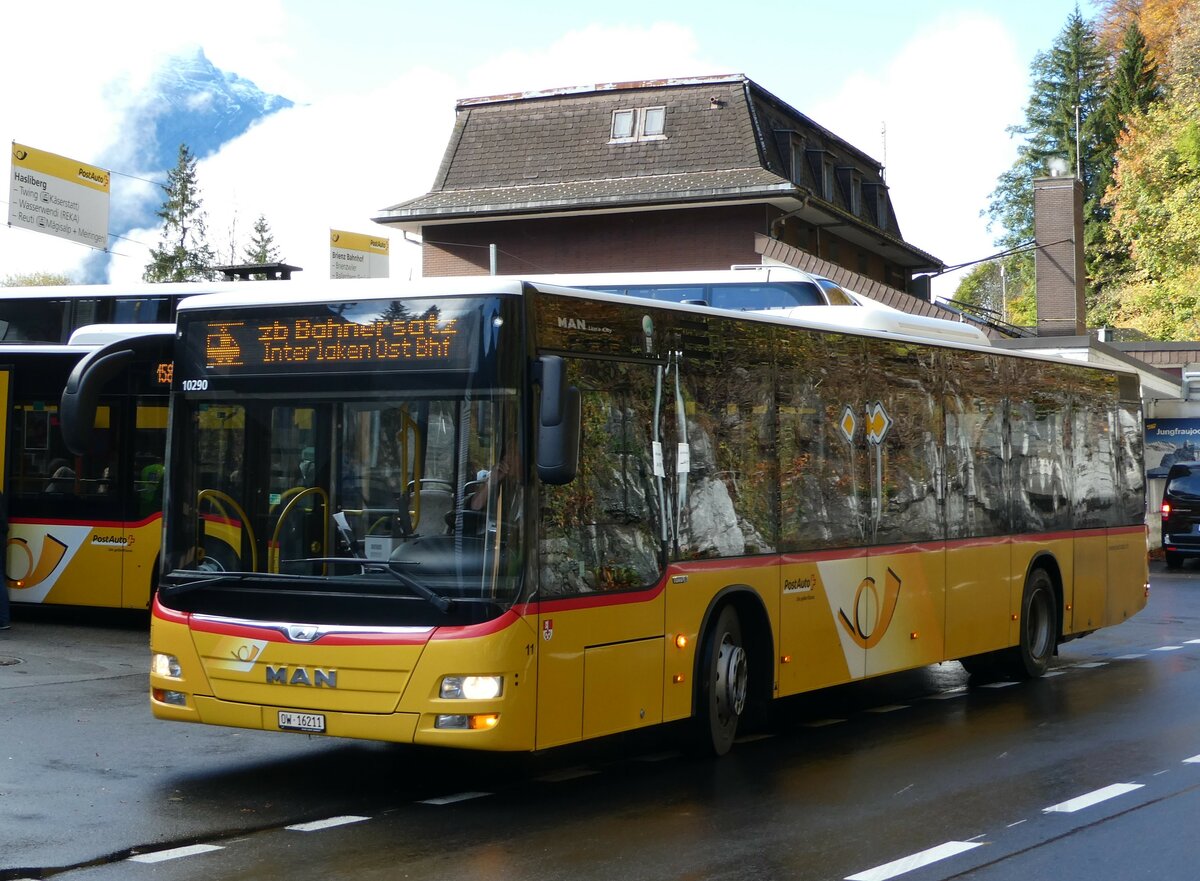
(652, 175)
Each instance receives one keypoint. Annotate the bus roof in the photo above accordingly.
(103, 334)
(882, 323)
(94, 291)
(744, 274)
(852, 318)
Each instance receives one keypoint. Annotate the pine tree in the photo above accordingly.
(1067, 77)
(1060, 124)
(1132, 87)
(184, 253)
(262, 247)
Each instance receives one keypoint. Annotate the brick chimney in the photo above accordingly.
(1060, 270)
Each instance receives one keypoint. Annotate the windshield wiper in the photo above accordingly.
(216, 578)
(441, 603)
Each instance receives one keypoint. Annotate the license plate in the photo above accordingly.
(311, 722)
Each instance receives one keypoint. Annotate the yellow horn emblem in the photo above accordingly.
(857, 628)
(51, 555)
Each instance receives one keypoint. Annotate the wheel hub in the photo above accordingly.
(732, 676)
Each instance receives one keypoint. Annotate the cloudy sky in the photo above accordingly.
(375, 83)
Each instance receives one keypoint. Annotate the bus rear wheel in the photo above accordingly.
(1039, 628)
(723, 685)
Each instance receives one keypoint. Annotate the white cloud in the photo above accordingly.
(946, 99)
(336, 162)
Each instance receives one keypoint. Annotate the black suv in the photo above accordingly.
(1181, 513)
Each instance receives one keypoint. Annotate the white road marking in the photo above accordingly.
(317, 825)
(1005, 684)
(1194, 760)
(1050, 673)
(451, 799)
(1130, 657)
(890, 708)
(1018, 823)
(175, 853)
(1168, 648)
(1092, 798)
(821, 723)
(915, 861)
(1192, 642)
(1091, 665)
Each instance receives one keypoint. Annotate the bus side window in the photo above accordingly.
(730, 500)
(601, 531)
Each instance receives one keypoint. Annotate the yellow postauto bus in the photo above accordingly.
(84, 528)
(498, 514)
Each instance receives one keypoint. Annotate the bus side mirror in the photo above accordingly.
(80, 397)
(558, 424)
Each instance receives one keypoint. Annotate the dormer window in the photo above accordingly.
(622, 125)
(653, 121)
(822, 168)
(876, 200)
(640, 124)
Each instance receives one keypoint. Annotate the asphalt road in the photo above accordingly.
(1092, 772)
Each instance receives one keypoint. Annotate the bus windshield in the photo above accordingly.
(351, 497)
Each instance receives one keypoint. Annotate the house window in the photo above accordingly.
(653, 121)
(622, 125)
(827, 180)
(642, 124)
(855, 194)
(797, 161)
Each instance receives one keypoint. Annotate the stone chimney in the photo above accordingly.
(1060, 270)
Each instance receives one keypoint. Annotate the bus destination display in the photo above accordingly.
(315, 341)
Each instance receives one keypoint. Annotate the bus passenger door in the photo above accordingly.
(824, 508)
(900, 609)
(143, 507)
(600, 658)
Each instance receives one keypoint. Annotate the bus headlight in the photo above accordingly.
(472, 688)
(165, 665)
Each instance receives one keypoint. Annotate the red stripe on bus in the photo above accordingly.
(597, 600)
(485, 628)
(95, 524)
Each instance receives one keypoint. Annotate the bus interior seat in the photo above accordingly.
(436, 503)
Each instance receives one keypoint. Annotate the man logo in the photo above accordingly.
(315, 678)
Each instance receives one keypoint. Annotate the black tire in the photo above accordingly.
(1173, 559)
(722, 686)
(1039, 629)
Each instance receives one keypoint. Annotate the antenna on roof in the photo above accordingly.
(883, 135)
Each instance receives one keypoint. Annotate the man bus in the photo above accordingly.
(707, 510)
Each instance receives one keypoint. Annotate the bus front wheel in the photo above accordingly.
(723, 685)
